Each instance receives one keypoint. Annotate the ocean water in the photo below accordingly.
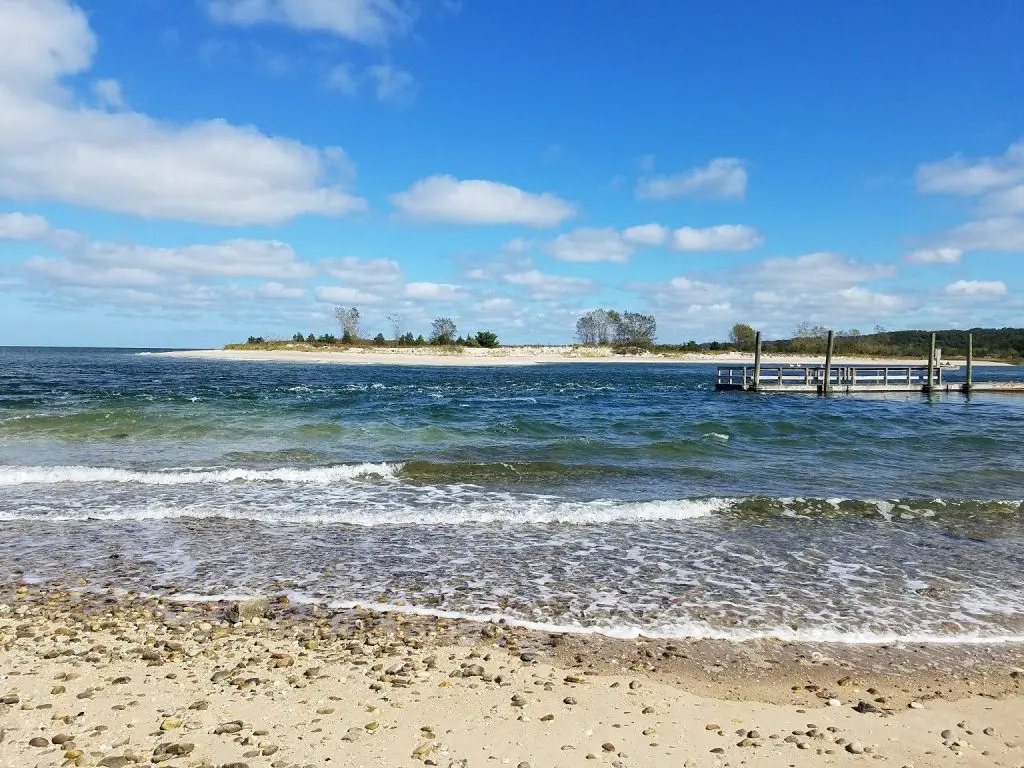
(621, 499)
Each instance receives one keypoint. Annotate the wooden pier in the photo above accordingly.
(815, 378)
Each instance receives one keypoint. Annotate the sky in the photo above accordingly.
(186, 173)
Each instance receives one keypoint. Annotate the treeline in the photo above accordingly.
(626, 331)
(988, 342)
(443, 332)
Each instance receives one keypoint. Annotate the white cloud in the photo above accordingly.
(434, 292)
(496, 305)
(1004, 233)
(542, 284)
(365, 21)
(958, 176)
(109, 93)
(20, 226)
(280, 291)
(365, 273)
(723, 177)
(269, 259)
(860, 299)
(820, 271)
(344, 78)
(476, 201)
(339, 294)
(646, 234)
(590, 244)
(945, 255)
(52, 148)
(725, 237)
(67, 272)
(1004, 201)
(977, 288)
(392, 84)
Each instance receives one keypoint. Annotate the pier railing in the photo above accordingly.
(789, 376)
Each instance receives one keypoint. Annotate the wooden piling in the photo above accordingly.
(970, 363)
(931, 368)
(830, 345)
(757, 362)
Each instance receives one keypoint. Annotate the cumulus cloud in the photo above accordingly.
(212, 172)
(443, 292)
(542, 284)
(725, 237)
(392, 84)
(821, 271)
(959, 176)
(365, 273)
(988, 288)
(343, 294)
(646, 234)
(590, 244)
(723, 178)
(476, 201)
(364, 21)
(1003, 233)
(20, 226)
(109, 93)
(945, 255)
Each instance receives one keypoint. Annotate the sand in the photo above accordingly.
(516, 356)
(123, 681)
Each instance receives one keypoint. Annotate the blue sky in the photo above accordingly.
(190, 172)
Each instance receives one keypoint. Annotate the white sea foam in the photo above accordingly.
(322, 475)
(487, 508)
(669, 631)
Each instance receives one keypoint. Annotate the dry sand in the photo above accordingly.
(513, 356)
(90, 679)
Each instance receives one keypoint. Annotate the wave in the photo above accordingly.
(481, 511)
(691, 630)
(10, 476)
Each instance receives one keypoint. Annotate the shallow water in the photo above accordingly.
(620, 498)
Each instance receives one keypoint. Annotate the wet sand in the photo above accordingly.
(94, 678)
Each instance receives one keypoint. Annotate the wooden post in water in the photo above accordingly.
(830, 345)
(757, 362)
(931, 367)
(970, 362)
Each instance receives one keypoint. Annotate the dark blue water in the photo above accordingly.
(626, 498)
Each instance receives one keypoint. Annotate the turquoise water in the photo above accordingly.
(617, 498)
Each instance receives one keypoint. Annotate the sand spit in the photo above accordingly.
(511, 356)
(91, 679)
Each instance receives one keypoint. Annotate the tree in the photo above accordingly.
(397, 323)
(743, 337)
(311, 339)
(379, 340)
(487, 339)
(634, 329)
(348, 320)
(298, 337)
(442, 331)
(595, 327)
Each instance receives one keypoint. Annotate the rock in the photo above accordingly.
(834, 703)
(473, 670)
(712, 727)
(231, 727)
(244, 610)
(946, 735)
(528, 656)
(866, 708)
(855, 748)
(569, 700)
(916, 705)
(518, 701)
(547, 718)
(60, 738)
(39, 741)
(608, 747)
(170, 724)
(115, 761)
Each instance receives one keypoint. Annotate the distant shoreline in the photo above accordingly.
(520, 356)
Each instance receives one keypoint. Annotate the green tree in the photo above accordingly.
(379, 340)
(743, 337)
(487, 339)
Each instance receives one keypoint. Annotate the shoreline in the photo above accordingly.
(521, 356)
(97, 679)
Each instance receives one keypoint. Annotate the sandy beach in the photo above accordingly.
(515, 356)
(91, 679)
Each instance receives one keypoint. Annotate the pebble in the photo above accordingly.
(855, 748)
(916, 705)
(608, 747)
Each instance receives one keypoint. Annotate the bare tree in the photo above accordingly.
(397, 324)
(595, 327)
(442, 331)
(348, 320)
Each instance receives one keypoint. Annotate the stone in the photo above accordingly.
(916, 705)
(547, 718)
(608, 747)
(170, 724)
(528, 656)
(228, 728)
(246, 610)
(855, 748)
(39, 741)
(473, 670)
(115, 761)
(569, 700)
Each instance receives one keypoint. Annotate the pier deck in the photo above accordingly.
(850, 379)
